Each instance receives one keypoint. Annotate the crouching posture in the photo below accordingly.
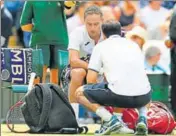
(127, 83)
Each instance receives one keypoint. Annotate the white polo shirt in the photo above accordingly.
(123, 66)
(80, 40)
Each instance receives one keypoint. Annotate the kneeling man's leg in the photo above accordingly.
(86, 95)
(142, 127)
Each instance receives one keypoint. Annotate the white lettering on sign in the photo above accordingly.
(29, 64)
(17, 66)
(17, 69)
(16, 79)
(16, 57)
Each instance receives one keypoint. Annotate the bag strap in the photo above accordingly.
(65, 99)
(82, 129)
(47, 101)
(78, 130)
(62, 96)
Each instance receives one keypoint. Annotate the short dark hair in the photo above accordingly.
(93, 10)
(111, 27)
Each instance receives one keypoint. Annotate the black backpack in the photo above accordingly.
(46, 110)
(172, 28)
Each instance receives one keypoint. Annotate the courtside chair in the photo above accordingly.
(160, 86)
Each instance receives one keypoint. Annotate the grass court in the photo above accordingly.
(92, 127)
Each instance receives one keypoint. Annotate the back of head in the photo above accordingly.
(151, 52)
(111, 27)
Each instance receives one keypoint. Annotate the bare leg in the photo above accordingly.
(77, 78)
(44, 73)
(54, 76)
(94, 107)
(84, 101)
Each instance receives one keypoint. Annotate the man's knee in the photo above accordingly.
(79, 93)
(78, 75)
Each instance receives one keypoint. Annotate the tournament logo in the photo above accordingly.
(5, 74)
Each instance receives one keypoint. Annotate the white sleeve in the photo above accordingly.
(75, 40)
(95, 62)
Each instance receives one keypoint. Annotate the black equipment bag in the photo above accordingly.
(46, 110)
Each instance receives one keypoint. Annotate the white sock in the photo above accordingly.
(75, 107)
(104, 114)
(142, 111)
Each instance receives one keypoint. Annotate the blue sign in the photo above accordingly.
(16, 65)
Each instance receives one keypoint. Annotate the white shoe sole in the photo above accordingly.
(123, 132)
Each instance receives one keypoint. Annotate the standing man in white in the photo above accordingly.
(127, 83)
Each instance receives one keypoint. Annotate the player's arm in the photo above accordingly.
(69, 4)
(94, 67)
(26, 17)
(75, 61)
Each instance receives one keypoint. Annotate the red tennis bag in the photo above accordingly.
(160, 119)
